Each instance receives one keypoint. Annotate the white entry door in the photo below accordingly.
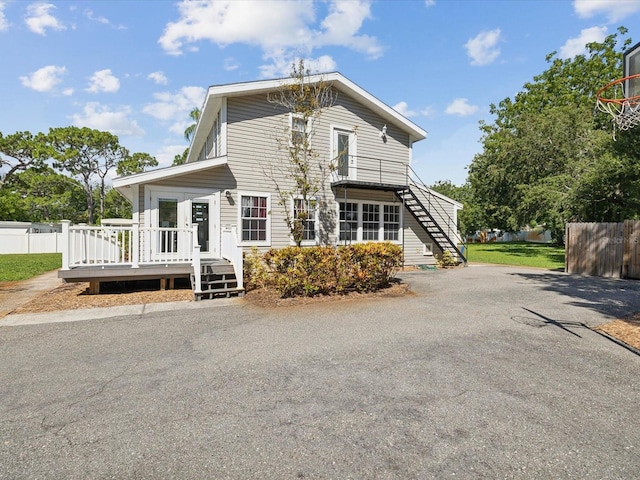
(344, 154)
(178, 209)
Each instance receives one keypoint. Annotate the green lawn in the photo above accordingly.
(517, 253)
(15, 267)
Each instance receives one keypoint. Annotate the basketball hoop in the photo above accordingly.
(614, 100)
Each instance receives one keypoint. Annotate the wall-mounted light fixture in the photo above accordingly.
(227, 193)
(383, 134)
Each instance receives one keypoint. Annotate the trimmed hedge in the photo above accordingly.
(309, 271)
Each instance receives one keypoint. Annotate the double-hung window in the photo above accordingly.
(348, 221)
(391, 222)
(299, 130)
(254, 218)
(370, 221)
(308, 208)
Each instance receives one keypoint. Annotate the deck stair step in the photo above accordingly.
(411, 198)
(217, 280)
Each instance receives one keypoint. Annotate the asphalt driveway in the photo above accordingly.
(483, 372)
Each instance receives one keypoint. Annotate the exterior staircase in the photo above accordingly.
(423, 207)
(218, 280)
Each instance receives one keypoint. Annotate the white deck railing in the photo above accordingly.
(135, 246)
(131, 245)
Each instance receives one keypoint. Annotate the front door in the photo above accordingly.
(344, 153)
(172, 209)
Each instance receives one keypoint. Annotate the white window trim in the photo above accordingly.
(308, 129)
(316, 240)
(257, 243)
(359, 235)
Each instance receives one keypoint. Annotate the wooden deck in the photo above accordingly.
(117, 273)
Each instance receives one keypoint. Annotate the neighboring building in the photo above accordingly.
(226, 188)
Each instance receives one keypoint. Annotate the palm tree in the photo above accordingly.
(191, 129)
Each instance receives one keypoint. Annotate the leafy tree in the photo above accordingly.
(21, 151)
(42, 196)
(547, 159)
(295, 171)
(194, 115)
(470, 217)
(181, 159)
(86, 154)
(116, 206)
(136, 163)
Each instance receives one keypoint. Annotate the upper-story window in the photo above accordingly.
(211, 147)
(299, 129)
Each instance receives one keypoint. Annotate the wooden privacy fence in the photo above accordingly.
(603, 249)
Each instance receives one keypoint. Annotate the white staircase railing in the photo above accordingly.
(232, 252)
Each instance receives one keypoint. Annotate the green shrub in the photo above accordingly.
(298, 271)
(447, 260)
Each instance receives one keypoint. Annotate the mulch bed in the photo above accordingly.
(626, 330)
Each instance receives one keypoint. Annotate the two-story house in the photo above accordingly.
(223, 201)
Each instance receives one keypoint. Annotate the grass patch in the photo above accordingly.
(14, 267)
(524, 254)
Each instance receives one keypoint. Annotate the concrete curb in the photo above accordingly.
(18, 319)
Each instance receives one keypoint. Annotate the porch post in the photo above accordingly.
(65, 244)
(135, 254)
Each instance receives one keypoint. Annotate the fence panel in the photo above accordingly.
(631, 258)
(30, 242)
(603, 249)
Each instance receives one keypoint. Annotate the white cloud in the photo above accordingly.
(175, 107)
(4, 24)
(614, 10)
(278, 28)
(100, 19)
(577, 46)
(281, 65)
(403, 109)
(482, 48)
(230, 64)
(39, 18)
(341, 26)
(159, 77)
(103, 81)
(268, 24)
(167, 153)
(429, 3)
(101, 117)
(428, 112)
(461, 106)
(44, 79)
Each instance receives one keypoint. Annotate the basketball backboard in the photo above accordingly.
(631, 66)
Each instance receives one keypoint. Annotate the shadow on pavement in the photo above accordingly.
(615, 297)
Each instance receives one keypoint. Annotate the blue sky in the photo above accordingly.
(136, 68)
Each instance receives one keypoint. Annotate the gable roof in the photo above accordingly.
(216, 93)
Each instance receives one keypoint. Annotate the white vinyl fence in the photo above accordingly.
(13, 242)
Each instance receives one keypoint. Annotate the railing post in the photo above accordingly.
(66, 240)
(237, 258)
(135, 246)
(197, 275)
